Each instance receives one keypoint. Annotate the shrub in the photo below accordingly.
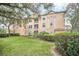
(7, 35)
(3, 35)
(68, 47)
(41, 35)
(2, 31)
(14, 34)
(72, 47)
(35, 35)
(57, 36)
(67, 43)
(45, 36)
(49, 38)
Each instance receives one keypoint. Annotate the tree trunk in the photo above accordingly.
(72, 28)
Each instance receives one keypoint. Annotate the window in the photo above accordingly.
(36, 31)
(30, 20)
(30, 26)
(43, 24)
(36, 26)
(51, 24)
(44, 18)
(36, 20)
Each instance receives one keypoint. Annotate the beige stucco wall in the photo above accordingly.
(39, 24)
(58, 22)
(50, 28)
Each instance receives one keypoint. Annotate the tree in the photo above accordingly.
(15, 12)
(72, 14)
(7, 22)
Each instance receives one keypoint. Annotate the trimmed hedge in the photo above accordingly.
(14, 34)
(43, 35)
(48, 38)
(3, 35)
(67, 43)
(68, 47)
(57, 36)
(7, 35)
(40, 35)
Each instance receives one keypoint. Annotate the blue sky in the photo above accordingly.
(60, 6)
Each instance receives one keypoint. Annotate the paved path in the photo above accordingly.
(53, 49)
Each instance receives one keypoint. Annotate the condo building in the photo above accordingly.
(52, 22)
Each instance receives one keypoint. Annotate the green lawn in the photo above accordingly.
(24, 46)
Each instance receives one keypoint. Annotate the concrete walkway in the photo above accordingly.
(53, 49)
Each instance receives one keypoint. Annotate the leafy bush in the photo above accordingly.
(3, 33)
(35, 35)
(49, 38)
(68, 43)
(14, 34)
(68, 47)
(42, 35)
(6, 35)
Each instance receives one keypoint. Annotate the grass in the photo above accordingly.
(24, 46)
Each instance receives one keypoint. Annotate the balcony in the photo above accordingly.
(35, 26)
